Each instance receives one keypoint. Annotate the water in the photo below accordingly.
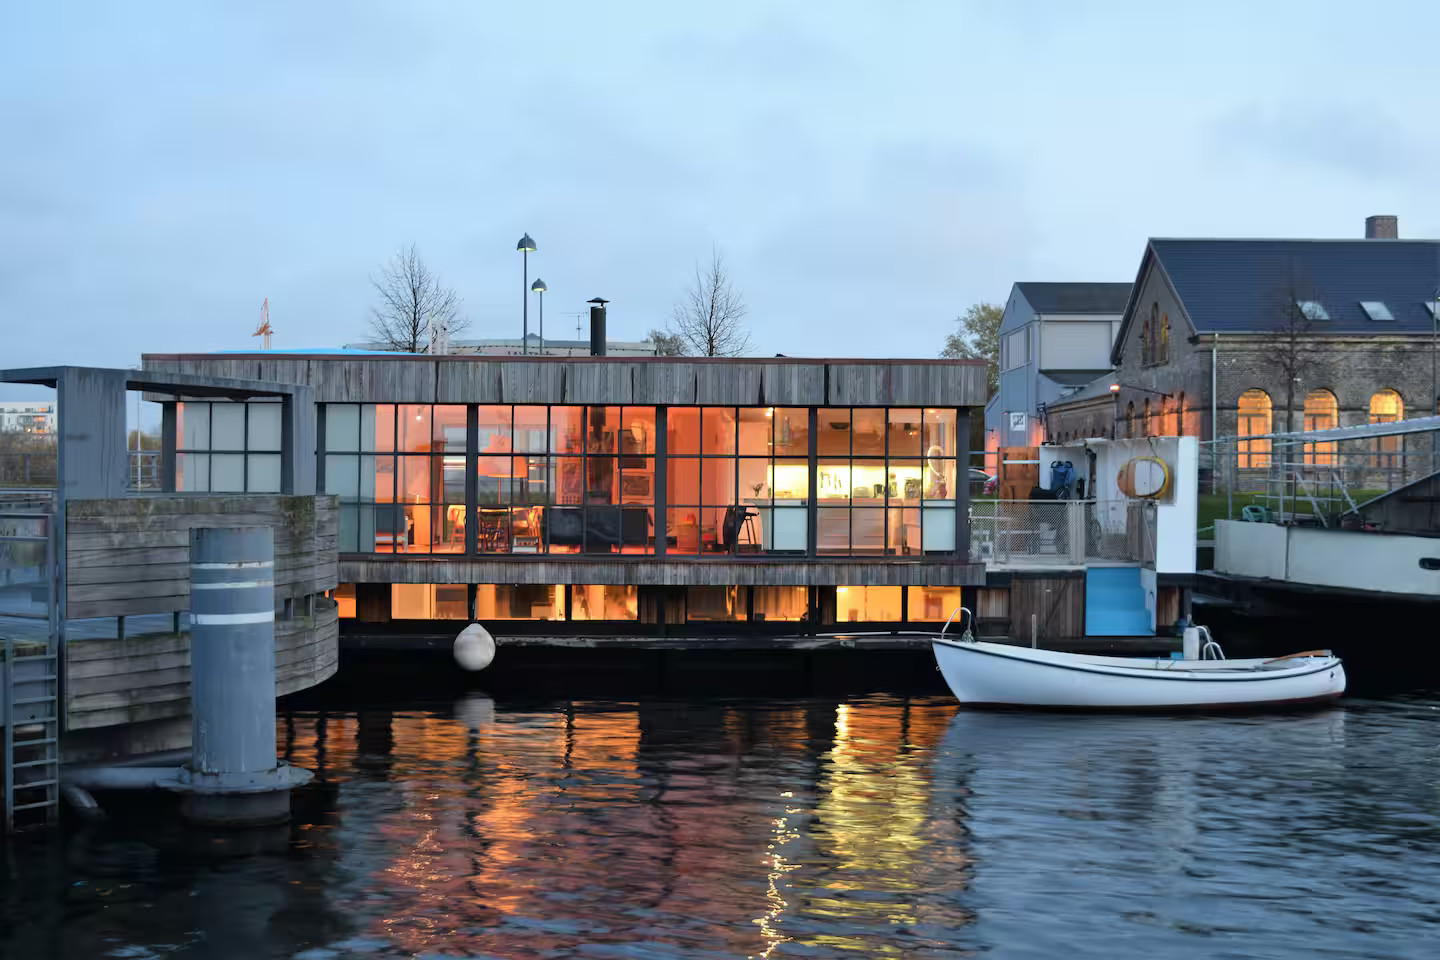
(816, 827)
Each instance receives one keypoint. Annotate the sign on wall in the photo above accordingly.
(1017, 422)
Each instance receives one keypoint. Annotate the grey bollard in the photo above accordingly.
(234, 778)
(232, 650)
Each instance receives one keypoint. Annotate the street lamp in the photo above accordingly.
(539, 287)
(526, 246)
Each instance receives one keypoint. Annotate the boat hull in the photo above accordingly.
(984, 674)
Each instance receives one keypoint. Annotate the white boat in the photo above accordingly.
(983, 674)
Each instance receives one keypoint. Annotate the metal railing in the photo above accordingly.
(1066, 532)
(1292, 478)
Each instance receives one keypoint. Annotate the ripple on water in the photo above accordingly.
(799, 828)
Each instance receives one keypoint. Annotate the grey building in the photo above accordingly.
(1054, 338)
(1243, 338)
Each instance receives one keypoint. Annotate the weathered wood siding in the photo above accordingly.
(1057, 603)
(650, 571)
(147, 678)
(671, 381)
(131, 556)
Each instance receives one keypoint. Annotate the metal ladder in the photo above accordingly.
(30, 696)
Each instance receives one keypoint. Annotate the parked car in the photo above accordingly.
(981, 483)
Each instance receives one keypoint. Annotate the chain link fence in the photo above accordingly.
(1069, 532)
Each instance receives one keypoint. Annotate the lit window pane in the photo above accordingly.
(530, 430)
(933, 604)
(781, 603)
(682, 431)
(594, 602)
(904, 434)
(792, 431)
(755, 429)
(448, 428)
(868, 432)
(717, 430)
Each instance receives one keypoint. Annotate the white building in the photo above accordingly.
(27, 417)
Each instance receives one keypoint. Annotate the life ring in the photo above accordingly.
(1144, 477)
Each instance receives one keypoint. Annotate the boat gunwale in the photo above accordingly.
(1151, 673)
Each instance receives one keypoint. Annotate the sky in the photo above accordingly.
(868, 170)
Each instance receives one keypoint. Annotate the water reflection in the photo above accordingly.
(876, 827)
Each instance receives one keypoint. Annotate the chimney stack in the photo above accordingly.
(1384, 227)
(597, 326)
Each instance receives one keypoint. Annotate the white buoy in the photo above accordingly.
(474, 649)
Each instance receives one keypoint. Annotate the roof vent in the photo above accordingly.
(1383, 227)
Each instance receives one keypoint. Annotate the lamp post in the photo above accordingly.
(526, 246)
(539, 287)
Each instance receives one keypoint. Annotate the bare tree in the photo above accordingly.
(709, 321)
(1289, 347)
(414, 309)
(666, 344)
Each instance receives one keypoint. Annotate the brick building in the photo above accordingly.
(1214, 330)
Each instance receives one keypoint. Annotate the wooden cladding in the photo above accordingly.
(147, 678)
(652, 571)
(554, 380)
(126, 557)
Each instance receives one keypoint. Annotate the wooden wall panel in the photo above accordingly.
(1057, 603)
(652, 571)
(126, 557)
(147, 678)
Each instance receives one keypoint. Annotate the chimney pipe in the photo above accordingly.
(597, 326)
(1383, 227)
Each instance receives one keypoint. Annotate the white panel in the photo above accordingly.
(227, 473)
(195, 426)
(1353, 560)
(937, 528)
(263, 473)
(264, 426)
(1075, 345)
(194, 471)
(342, 475)
(1250, 549)
(342, 426)
(227, 426)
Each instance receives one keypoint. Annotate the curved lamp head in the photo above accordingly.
(1114, 388)
(526, 244)
(538, 286)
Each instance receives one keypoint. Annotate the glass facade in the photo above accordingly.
(784, 606)
(682, 481)
(227, 447)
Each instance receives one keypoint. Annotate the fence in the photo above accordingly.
(1320, 477)
(1068, 532)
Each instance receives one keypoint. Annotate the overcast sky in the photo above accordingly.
(869, 169)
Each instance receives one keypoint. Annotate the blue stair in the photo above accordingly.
(1115, 603)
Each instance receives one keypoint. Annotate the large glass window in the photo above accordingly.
(1322, 412)
(429, 601)
(596, 602)
(228, 447)
(737, 480)
(399, 472)
(583, 479)
(867, 604)
(886, 481)
(1386, 407)
(931, 604)
(519, 601)
(1253, 414)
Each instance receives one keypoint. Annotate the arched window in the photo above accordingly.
(1130, 419)
(1252, 419)
(1180, 416)
(1164, 354)
(1322, 412)
(1149, 420)
(1386, 407)
(1145, 343)
(1167, 417)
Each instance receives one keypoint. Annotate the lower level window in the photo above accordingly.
(867, 604)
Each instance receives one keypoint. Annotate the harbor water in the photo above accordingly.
(881, 826)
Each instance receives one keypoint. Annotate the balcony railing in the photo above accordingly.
(1062, 532)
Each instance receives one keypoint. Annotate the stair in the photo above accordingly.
(1115, 603)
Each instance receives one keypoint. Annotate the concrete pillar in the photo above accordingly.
(234, 778)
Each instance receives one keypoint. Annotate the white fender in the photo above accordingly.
(474, 649)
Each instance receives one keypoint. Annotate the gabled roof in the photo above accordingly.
(1052, 298)
(1235, 285)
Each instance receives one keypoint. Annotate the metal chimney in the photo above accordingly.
(1383, 227)
(597, 326)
